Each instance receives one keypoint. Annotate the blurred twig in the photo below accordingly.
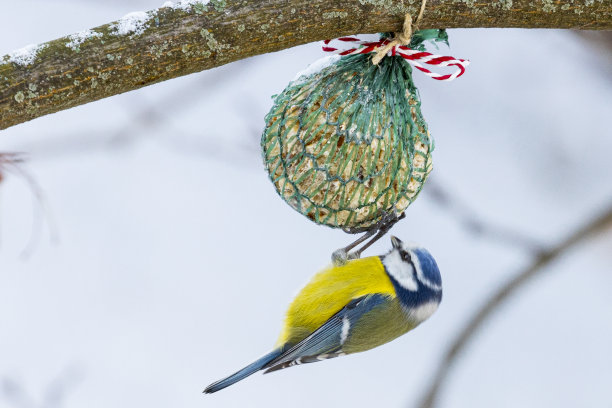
(54, 396)
(13, 393)
(150, 119)
(62, 386)
(601, 43)
(8, 161)
(474, 223)
(539, 264)
(146, 121)
(12, 163)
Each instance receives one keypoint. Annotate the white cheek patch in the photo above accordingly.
(401, 271)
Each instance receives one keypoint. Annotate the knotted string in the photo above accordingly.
(399, 46)
(402, 38)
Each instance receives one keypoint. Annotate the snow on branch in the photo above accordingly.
(188, 36)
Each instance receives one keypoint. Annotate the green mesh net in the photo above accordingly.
(347, 144)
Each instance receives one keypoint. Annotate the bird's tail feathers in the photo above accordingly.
(244, 373)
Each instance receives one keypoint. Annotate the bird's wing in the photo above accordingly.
(326, 342)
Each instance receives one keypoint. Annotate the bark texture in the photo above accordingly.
(175, 41)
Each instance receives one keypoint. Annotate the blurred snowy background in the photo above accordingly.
(175, 259)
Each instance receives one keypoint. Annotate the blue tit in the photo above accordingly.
(354, 307)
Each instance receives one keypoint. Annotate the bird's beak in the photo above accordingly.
(397, 243)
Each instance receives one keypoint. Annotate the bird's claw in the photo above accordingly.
(389, 219)
(341, 256)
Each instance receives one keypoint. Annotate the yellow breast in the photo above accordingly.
(329, 291)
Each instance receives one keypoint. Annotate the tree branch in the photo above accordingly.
(458, 345)
(177, 40)
(473, 224)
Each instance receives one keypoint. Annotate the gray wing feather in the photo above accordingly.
(326, 342)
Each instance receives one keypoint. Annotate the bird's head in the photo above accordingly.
(414, 270)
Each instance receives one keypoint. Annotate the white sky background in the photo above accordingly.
(176, 258)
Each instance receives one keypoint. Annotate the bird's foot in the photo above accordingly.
(342, 256)
(388, 220)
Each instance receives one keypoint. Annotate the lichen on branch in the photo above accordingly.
(180, 38)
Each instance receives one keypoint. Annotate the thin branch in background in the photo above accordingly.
(8, 160)
(601, 43)
(13, 163)
(474, 223)
(13, 393)
(474, 324)
(145, 121)
(60, 387)
(156, 115)
(214, 148)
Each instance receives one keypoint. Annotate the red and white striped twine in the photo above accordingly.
(414, 57)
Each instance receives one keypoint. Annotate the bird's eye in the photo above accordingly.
(405, 256)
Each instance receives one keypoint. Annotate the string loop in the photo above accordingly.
(418, 59)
